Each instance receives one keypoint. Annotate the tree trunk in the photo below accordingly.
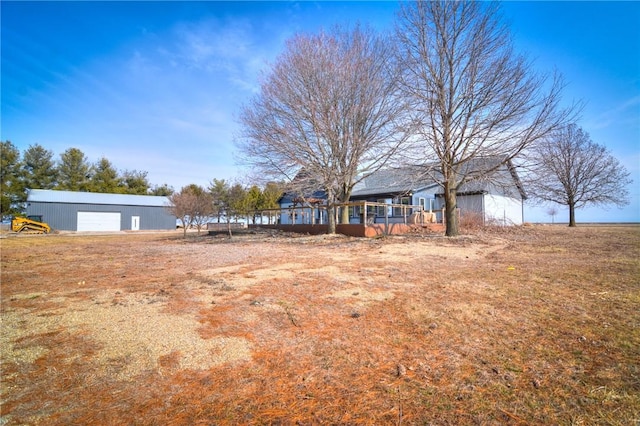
(451, 214)
(344, 215)
(343, 197)
(331, 210)
(331, 218)
(572, 215)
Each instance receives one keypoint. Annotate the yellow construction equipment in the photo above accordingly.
(31, 224)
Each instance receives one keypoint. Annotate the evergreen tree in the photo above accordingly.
(12, 193)
(105, 178)
(270, 196)
(252, 200)
(237, 202)
(136, 182)
(219, 189)
(74, 171)
(39, 168)
(162, 190)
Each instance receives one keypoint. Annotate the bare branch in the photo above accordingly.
(573, 171)
(327, 114)
(193, 206)
(470, 94)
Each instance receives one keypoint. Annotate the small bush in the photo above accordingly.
(470, 221)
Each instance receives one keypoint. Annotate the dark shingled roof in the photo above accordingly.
(503, 180)
(391, 181)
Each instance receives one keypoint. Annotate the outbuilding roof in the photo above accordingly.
(51, 196)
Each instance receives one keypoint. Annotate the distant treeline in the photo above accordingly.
(36, 168)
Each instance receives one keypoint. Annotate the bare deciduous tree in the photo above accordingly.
(193, 206)
(204, 208)
(552, 211)
(180, 205)
(573, 171)
(470, 94)
(328, 108)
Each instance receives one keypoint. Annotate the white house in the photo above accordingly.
(496, 199)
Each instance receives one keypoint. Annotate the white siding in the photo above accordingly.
(503, 210)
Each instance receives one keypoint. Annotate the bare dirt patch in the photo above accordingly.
(533, 325)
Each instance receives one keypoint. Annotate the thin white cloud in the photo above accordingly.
(231, 50)
(164, 105)
(627, 112)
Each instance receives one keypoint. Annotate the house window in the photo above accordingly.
(401, 211)
(371, 211)
(381, 210)
(423, 203)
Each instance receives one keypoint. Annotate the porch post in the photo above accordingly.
(386, 219)
(365, 213)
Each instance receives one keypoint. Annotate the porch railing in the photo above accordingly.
(362, 212)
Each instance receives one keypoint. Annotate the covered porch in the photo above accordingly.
(366, 219)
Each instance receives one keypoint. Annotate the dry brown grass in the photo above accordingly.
(529, 325)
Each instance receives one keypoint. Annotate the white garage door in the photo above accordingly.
(98, 221)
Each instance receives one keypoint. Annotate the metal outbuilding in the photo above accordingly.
(91, 211)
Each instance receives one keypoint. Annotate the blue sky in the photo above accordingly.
(157, 86)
